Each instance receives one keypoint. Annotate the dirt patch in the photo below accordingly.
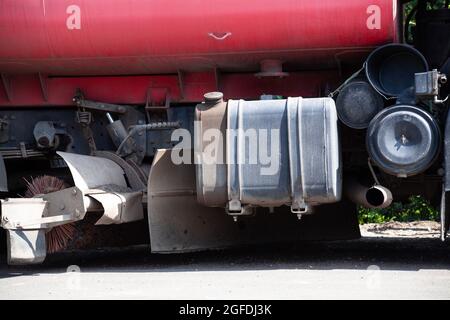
(415, 229)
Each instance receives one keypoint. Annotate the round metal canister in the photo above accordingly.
(403, 140)
(357, 104)
(390, 69)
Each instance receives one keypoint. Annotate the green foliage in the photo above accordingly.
(417, 208)
(409, 7)
(433, 4)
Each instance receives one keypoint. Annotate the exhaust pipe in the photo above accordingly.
(369, 197)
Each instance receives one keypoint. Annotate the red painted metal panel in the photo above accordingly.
(116, 37)
(26, 90)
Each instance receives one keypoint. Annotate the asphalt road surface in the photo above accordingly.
(360, 269)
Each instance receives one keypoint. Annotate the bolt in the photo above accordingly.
(77, 213)
(235, 218)
(5, 219)
(121, 109)
(62, 207)
(74, 192)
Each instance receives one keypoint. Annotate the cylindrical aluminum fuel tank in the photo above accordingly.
(103, 37)
(268, 153)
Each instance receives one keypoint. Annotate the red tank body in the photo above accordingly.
(104, 37)
(58, 38)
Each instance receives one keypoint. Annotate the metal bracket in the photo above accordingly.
(23, 150)
(84, 118)
(149, 100)
(218, 78)
(300, 209)
(181, 83)
(7, 86)
(44, 87)
(427, 85)
(67, 201)
(99, 106)
(27, 219)
(17, 212)
(137, 137)
(47, 221)
(149, 103)
(118, 207)
(235, 209)
(50, 210)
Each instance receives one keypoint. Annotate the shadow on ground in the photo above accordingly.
(386, 253)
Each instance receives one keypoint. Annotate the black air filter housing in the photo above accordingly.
(403, 140)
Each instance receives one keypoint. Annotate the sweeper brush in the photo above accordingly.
(59, 237)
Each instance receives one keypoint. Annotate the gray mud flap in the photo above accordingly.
(177, 223)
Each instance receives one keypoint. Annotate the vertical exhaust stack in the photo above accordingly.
(376, 196)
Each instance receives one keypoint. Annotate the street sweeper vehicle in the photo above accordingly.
(193, 124)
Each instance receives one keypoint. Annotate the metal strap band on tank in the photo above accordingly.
(234, 204)
(314, 153)
(294, 131)
(326, 143)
